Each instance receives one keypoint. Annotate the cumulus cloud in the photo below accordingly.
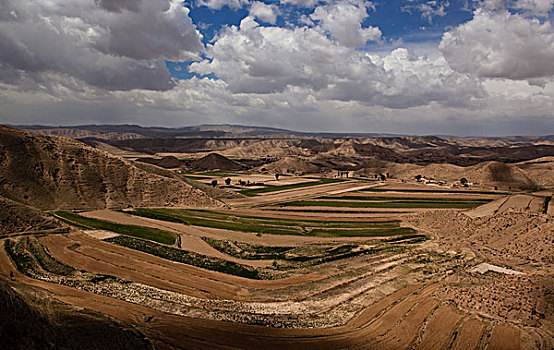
(107, 45)
(343, 21)
(536, 7)
(499, 44)
(403, 80)
(252, 59)
(264, 12)
(91, 61)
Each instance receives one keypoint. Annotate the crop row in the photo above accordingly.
(153, 234)
(274, 226)
(272, 188)
(186, 257)
(391, 204)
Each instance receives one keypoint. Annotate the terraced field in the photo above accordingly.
(381, 198)
(275, 188)
(268, 225)
(376, 302)
(266, 276)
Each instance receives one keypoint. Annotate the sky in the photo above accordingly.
(452, 67)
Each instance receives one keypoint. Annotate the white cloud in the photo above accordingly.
(343, 21)
(68, 62)
(536, 7)
(501, 45)
(264, 12)
(102, 45)
(253, 59)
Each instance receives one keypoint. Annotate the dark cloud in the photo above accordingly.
(119, 5)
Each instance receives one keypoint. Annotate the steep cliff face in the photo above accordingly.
(51, 172)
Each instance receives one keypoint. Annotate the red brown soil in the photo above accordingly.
(469, 334)
(50, 172)
(405, 313)
(504, 337)
(102, 257)
(440, 328)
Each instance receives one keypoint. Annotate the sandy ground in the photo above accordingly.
(486, 209)
(532, 203)
(484, 268)
(101, 234)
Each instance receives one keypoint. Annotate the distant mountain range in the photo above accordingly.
(249, 142)
(126, 131)
(129, 131)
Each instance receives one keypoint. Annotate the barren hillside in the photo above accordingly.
(488, 174)
(215, 161)
(50, 172)
(291, 165)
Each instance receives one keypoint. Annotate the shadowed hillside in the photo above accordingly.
(26, 325)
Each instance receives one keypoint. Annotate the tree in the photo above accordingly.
(418, 177)
(277, 176)
(228, 181)
(463, 181)
(383, 177)
(214, 182)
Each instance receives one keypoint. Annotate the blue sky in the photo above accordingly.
(402, 23)
(396, 19)
(473, 67)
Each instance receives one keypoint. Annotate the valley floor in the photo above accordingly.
(340, 265)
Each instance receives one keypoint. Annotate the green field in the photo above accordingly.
(331, 211)
(267, 225)
(273, 188)
(152, 234)
(404, 204)
(408, 199)
(248, 251)
(378, 189)
(186, 257)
